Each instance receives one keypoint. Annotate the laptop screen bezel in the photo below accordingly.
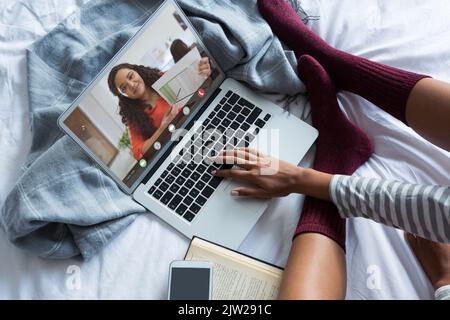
(160, 157)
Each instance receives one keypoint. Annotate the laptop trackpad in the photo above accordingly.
(246, 202)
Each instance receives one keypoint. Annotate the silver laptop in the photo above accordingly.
(161, 110)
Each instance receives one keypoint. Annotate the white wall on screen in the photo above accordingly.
(103, 114)
(159, 36)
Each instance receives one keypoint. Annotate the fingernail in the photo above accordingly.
(234, 193)
(213, 172)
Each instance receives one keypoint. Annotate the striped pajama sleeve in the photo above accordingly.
(419, 209)
(442, 293)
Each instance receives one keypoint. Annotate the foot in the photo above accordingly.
(433, 257)
(342, 147)
(384, 86)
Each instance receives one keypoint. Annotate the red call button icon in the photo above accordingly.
(201, 92)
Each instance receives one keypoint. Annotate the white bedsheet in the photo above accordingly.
(405, 33)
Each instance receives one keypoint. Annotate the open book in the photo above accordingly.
(235, 275)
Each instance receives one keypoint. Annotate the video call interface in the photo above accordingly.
(129, 116)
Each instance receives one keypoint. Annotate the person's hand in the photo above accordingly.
(271, 177)
(169, 116)
(204, 68)
(177, 108)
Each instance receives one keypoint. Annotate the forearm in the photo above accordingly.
(313, 183)
(417, 209)
(421, 210)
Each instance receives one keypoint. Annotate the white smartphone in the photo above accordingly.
(190, 280)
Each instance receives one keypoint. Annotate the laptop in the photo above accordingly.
(158, 114)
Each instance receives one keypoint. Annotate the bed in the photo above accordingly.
(407, 34)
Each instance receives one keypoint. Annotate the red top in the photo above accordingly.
(155, 115)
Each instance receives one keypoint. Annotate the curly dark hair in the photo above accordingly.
(133, 111)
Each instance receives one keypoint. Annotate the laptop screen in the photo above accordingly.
(155, 84)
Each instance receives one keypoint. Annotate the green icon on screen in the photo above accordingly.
(143, 163)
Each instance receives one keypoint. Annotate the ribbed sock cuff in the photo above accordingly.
(385, 86)
(322, 217)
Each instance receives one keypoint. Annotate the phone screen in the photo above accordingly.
(190, 284)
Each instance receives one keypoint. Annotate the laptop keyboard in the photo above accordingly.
(187, 183)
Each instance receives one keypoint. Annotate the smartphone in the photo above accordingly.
(190, 280)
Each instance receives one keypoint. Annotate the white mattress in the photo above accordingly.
(408, 34)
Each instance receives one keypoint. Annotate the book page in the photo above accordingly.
(234, 279)
(179, 83)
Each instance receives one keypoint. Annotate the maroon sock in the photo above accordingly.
(385, 86)
(341, 149)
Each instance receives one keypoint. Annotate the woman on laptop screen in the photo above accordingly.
(143, 110)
